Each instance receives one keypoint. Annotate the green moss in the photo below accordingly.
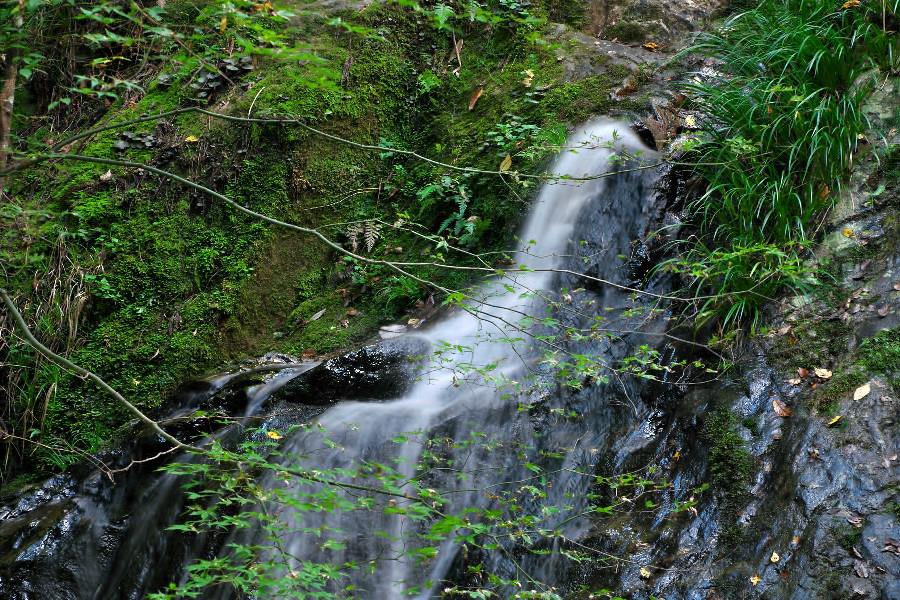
(881, 353)
(626, 32)
(877, 355)
(811, 343)
(847, 536)
(730, 469)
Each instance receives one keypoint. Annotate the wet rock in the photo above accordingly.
(381, 371)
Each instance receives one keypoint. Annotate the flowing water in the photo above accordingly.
(573, 225)
(459, 404)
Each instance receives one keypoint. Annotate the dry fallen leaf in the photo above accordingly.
(475, 96)
(317, 316)
(834, 421)
(823, 373)
(506, 164)
(802, 372)
(897, 286)
(352, 312)
(848, 232)
(774, 558)
(755, 580)
(850, 4)
(274, 435)
(645, 572)
(529, 77)
(652, 46)
(781, 409)
(192, 138)
(862, 391)
(106, 176)
(795, 541)
(795, 381)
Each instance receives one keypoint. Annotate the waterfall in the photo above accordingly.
(482, 335)
(85, 536)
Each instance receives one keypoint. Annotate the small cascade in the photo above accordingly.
(573, 222)
(108, 541)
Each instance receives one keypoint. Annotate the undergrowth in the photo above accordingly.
(781, 114)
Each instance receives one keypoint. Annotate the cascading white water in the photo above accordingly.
(362, 431)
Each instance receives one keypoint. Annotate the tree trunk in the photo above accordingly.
(8, 97)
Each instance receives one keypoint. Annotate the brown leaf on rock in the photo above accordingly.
(802, 372)
(781, 409)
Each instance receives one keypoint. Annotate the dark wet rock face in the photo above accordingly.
(382, 371)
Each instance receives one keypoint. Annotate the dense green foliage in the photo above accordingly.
(782, 117)
(147, 283)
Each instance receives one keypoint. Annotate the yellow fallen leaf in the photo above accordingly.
(774, 558)
(506, 164)
(862, 391)
(645, 572)
(192, 138)
(755, 580)
(274, 435)
(823, 373)
(690, 121)
(834, 421)
(652, 46)
(223, 24)
(848, 232)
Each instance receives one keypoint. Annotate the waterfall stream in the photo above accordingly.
(583, 226)
(488, 333)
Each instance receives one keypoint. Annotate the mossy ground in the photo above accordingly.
(173, 283)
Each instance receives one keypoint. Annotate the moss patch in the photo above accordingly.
(730, 469)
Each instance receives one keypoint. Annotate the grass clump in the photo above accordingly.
(781, 115)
